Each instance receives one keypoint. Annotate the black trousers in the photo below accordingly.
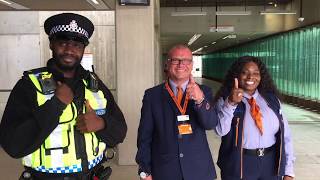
(256, 168)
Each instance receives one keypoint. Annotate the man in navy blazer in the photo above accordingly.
(172, 142)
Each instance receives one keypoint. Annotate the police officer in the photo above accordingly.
(60, 118)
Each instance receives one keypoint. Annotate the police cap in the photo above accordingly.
(69, 26)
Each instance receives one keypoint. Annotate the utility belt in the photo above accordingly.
(99, 172)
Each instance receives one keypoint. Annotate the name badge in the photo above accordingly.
(185, 129)
(183, 118)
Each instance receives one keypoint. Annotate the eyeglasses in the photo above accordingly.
(176, 61)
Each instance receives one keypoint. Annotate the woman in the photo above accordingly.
(256, 142)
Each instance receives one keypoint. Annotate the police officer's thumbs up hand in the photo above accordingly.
(64, 93)
(236, 94)
(89, 121)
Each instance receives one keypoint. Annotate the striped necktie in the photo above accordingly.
(256, 114)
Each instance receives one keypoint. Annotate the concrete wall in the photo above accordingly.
(19, 49)
(137, 60)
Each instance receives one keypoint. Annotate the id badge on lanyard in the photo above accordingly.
(184, 125)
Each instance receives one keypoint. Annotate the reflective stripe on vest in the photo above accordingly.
(57, 154)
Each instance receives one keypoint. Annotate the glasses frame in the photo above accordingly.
(176, 61)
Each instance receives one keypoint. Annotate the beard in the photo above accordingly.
(66, 67)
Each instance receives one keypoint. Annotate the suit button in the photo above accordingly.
(181, 155)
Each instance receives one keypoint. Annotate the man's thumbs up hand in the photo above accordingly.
(194, 91)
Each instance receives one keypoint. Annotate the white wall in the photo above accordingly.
(197, 66)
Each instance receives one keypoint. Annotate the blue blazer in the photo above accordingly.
(162, 151)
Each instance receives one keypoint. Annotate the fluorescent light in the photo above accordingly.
(213, 42)
(221, 28)
(230, 36)
(95, 1)
(13, 4)
(233, 13)
(6, 2)
(98, 4)
(200, 49)
(189, 13)
(193, 38)
(276, 12)
(225, 37)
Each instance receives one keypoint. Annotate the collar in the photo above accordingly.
(255, 95)
(80, 73)
(174, 86)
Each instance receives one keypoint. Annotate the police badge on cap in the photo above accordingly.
(69, 26)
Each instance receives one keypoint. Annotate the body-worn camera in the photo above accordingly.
(92, 82)
(47, 83)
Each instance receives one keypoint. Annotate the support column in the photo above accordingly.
(135, 49)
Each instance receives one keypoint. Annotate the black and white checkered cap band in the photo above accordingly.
(68, 28)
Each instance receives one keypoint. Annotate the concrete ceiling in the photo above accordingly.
(60, 5)
(205, 3)
(180, 29)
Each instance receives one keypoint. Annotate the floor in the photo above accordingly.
(305, 128)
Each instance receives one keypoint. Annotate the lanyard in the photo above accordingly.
(185, 104)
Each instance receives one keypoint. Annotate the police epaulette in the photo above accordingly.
(35, 71)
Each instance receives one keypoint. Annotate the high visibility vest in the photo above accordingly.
(58, 154)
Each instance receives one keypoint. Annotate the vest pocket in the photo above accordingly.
(58, 139)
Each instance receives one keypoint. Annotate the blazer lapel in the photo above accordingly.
(168, 100)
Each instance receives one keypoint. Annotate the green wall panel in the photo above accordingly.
(293, 60)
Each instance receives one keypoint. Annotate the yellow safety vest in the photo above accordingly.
(58, 154)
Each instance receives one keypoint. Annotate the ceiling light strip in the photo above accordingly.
(13, 5)
(277, 12)
(5, 2)
(200, 49)
(189, 13)
(98, 4)
(194, 38)
(233, 13)
(95, 1)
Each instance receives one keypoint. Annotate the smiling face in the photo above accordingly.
(250, 77)
(179, 64)
(67, 54)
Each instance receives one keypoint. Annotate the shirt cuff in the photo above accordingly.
(229, 106)
(289, 171)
